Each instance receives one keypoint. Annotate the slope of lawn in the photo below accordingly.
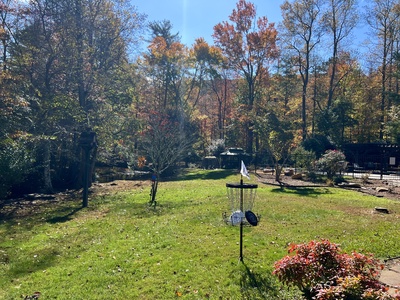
(118, 248)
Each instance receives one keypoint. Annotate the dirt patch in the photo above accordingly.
(118, 186)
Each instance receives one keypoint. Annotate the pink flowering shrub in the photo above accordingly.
(322, 272)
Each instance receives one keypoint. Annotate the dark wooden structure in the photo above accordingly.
(231, 158)
(373, 157)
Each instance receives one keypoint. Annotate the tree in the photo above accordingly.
(13, 106)
(213, 102)
(393, 125)
(383, 18)
(164, 140)
(340, 19)
(339, 117)
(366, 99)
(285, 86)
(301, 36)
(250, 47)
(72, 53)
(12, 12)
(164, 65)
(277, 133)
(165, 124)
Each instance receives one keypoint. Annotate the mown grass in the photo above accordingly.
(118, 248)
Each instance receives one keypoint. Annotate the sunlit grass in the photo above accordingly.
(118, 248)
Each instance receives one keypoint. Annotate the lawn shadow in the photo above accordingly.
(65, 218)
(302, 191)
(255, 285)
(205, 174)
(39, 260)
(29, 213)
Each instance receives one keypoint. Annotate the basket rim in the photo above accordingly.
(242, 185)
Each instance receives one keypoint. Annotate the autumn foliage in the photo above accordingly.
(322, 271)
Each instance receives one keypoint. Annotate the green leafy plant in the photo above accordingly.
(15, 163)
(304, 159)
(321, 271)
(332, 162)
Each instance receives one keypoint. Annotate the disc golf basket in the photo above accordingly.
(241, 197)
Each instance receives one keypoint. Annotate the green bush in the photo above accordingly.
(15, 164)
(322, 272)
(312, 176)
(339, 179)
(332, 162)
(303, 158)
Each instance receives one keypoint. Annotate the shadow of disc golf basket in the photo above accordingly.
(241, 198)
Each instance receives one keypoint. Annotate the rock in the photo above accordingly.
(39, 196)
(266, 170)
(289, 172)
(350, 185)
(382, 210)
(382, 189)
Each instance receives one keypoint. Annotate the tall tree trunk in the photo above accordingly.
(250, 137)
(4, 41)
(332, 79)
(305, 77)
(250, 124)
(46, 166)
(304, 113)
(383, 88)
(93, 158)
(314, 102)
(80, 60)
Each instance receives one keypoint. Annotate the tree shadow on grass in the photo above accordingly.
(302, 191)
(39, 260)
(28, 214)
(205, 174)
(65, 218)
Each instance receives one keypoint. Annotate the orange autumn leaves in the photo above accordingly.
(247, 38)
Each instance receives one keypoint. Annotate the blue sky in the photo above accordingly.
(196, 18)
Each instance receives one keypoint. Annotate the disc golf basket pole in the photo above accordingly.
(241, 196)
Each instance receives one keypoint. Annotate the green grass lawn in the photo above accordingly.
(118, 248)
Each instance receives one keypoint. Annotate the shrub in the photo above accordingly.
(339, 179)
(332, 162)
(303, 158)
(322, 272)
(15, 164)
(312, 176)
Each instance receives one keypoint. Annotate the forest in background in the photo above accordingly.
(67, 67)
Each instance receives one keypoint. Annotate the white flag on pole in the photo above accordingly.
(244, 171)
